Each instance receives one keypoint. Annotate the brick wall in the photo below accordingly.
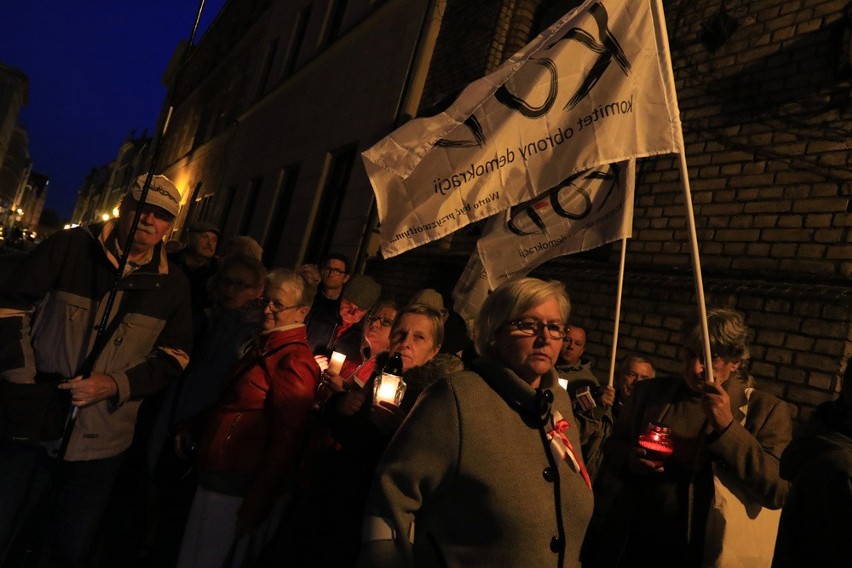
(766, 119)
(766, 116)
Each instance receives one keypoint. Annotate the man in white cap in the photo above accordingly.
(68, 278)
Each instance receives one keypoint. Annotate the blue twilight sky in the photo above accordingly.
(94, 69)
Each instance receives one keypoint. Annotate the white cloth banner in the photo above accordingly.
(587, 210)
(594, 88)
(471, 290)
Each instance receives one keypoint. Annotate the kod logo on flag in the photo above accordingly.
(585, 211)
(594, 88)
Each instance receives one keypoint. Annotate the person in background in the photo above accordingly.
(592, 401)
(816, 522)
(572, 365)
(375, 338)
(243, 245)
(360, 429)
(334, 274)
(251, 441)
(198, 262)
(652, 511)
(456, 337)
(486, 468)
(633, 368)
(343, 333)
(222, 338)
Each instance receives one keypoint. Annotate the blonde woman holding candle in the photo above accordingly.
(329, 522)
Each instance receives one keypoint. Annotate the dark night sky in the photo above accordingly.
(94, 70)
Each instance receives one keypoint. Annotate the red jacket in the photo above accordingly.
(256, 431)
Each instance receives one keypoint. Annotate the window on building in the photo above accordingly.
(204, 207)
(297, 40)
(251, 204)
(203, 129)
(280, 207)
(228, 204)
(271, 50)
(333, 21)
(331, 202)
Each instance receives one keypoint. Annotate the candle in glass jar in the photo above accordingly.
(387, 389)
(336, 362)
(657, 443)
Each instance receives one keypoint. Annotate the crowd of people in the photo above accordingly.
(246, 411)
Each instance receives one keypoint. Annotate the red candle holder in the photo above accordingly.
(657, 442)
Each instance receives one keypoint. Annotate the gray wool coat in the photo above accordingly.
(470, 479)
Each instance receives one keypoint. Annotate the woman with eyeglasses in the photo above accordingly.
(329, 521)
(486, 469)
(654, 510)
(252, 438)
(375, 338)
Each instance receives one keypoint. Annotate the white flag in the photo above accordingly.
(471, 290)
(594, 88)
(587, 210)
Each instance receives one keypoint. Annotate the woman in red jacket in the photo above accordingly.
(252, 439)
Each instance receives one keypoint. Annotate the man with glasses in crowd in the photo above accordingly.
(334, 274)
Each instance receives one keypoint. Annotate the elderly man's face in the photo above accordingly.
(203, 243)
(636, 371)
(574, 345)
(154, 223)
(695, 374)
(350, 312)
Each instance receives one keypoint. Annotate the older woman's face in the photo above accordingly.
(531, 356)
(694, 370)
(281, 309)
(377, 328)
(413, 337)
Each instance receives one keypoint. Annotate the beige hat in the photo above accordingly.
(429, 297)
(162, 193)
(362, 291)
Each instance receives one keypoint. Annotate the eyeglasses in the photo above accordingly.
(386, 322)
(331, 270)
(275, 306)
(239, 284)
(533, 327)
